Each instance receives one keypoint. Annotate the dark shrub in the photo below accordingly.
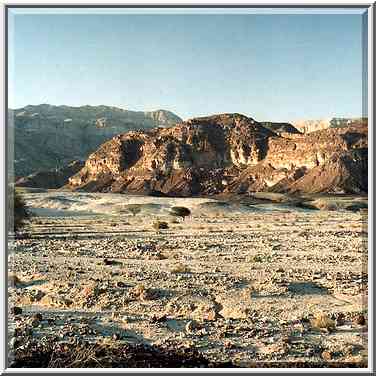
(180, 211)
(18, 213)
(160, 225)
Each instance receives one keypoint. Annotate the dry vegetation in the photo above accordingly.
(255, 288)
(18, 214)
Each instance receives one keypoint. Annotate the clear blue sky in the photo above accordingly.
(276, 67)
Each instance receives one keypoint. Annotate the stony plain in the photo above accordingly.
(246, 282)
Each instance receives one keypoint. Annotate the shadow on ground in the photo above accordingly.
(307, 288)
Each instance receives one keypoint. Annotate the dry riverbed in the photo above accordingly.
(244, 285)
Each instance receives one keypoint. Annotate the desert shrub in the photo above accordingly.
(261, 258)
(141, 292)
(323, 321)
(134, 209)
(358, 207)
(18, 213)
(257, 258)
(160, 225)
(180, 268)
(180, 211)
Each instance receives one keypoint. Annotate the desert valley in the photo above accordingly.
(219, 241)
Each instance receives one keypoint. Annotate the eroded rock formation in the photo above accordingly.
(228, 153)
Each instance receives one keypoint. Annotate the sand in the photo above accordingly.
(240, 283)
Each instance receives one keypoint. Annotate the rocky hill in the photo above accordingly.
(47, 136)
(51, 179)
(280, 128)
(228, 153)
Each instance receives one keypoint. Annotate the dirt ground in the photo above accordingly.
(244, 284)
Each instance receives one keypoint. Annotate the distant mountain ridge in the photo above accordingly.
(47, 136)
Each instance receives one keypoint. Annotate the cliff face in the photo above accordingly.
(343, 172)
(224, 153)
(46, 136)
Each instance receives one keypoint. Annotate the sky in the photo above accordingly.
(277, 67)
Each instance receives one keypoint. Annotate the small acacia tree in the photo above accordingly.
(180, 211)
(134, 209)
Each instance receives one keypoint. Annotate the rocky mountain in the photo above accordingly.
(228, 153)
(280, 128)
(308, 126)
(51, 179)
(47, 136)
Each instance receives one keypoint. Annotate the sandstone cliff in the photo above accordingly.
(228, 153)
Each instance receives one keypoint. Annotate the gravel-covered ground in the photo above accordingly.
(242, 285)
